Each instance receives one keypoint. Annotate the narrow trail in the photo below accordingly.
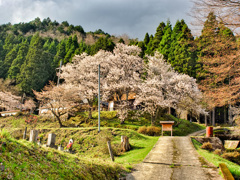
(173, 158)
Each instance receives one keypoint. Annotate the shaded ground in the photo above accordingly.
(173, 158)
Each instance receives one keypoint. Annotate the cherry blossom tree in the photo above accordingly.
(82, 73)
(58, 99)
(120, 74)
(164, 88)
(9, 101)
(124, 76)
(29, 104)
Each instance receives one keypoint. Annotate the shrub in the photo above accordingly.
(153, 131)
(207, 146)
(150, 130)
(232, 156)
(142, 130)
(218, 152)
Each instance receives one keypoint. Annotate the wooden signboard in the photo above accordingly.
(231, 144)
(167, 126)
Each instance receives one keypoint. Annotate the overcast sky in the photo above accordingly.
(116, 17)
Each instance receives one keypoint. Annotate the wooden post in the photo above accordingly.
(110, 150)
(205, 118)
(25, 133)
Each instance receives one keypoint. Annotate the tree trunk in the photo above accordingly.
(152, 119)
(60, 122)
(225, 115)
(169, 110)
(230, 119)
(205, 118)
(213, 117)
(125, 146)
(190, 116)
(210, 117)
(90, 113)
(198, 118)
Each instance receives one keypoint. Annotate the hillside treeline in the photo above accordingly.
(30, 53)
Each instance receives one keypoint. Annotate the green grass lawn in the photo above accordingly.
(140, 149)
(216, 160)
(90, 149)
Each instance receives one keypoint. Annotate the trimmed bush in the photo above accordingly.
(232, 156)
(207, 146)
(142, 130)
(218, 152)
(150, 130)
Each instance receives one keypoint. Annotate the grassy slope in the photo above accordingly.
(26, 160)
(216, 160)
(90, 159)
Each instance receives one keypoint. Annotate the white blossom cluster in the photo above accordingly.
(122, 72)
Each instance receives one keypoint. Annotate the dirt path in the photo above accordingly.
(173, 158)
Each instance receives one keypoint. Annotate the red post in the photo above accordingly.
(209, 131)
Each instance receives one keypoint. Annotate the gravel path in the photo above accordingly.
(173, 158)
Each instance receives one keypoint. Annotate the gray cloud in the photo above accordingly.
(132, 17)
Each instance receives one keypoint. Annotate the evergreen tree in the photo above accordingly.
(83, 47)
(52, 49)
(35, 71)
(146, 39)
(75, 42)
(158, 37)
(14, 70)
(149, 46)
(165, 44)
(70, 51)
(104, 43)
(121, 41)
(59, 55)
(143, 48)
(8, 61)
(68, 44)
(181, 55)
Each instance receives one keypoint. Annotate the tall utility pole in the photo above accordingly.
(59, 72)
(99, 98)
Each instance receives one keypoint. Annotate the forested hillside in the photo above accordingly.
(30, 53)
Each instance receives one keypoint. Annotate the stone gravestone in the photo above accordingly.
(51, 140)
(60, 148)
(33, 135)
